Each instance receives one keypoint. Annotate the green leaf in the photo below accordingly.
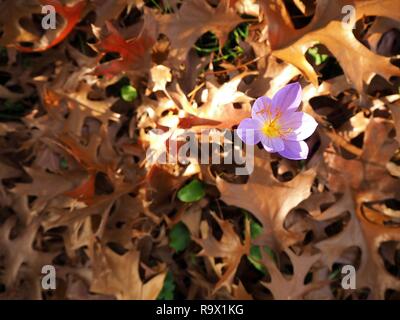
(270, 252)
(243, 30)
(193, 191)
(179, 237)
(256, 229)
(128, 93)
(255, 255)
(318, 58)
(335, 274)
(255, 259)
(167, 291)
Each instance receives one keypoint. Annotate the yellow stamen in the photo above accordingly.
(271, 129)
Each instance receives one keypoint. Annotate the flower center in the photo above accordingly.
(272, 129)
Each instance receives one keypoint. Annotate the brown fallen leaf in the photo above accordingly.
(78, 192)
(18, 252)
(134, 53)
(194, 18)
(239, 292)
(230, 248)
(268, 199)
(284, 287)
(84, 192)
(47, 185)
(218, 110)
(161, 185)
(110, 9)
(362, 181)
(71, 14)
(118, 275)
(326, 27)
(11, 12)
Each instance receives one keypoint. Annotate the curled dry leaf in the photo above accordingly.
(364, 180)
(109, 9)
(71, 15)
(284, 287)
(17, 253)
(77, 191)
(327, 27)
(10, 16)
(230, 248)
(194, 18)
(254, 196)
(118, 275)
(134, 53)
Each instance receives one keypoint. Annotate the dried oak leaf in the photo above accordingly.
(160, 186)
(268, 199)
(89, 156)
(230, 248)
(239, 292)
(47, 185)
(194, 18)
(218, 110)
(367, 173)
(99, 205)
(118, 275)
(127, 221)
(284, 287)
(71, 15)
(84, 192)
(359, 63)
(220, 102)
(111, 9)
(80, 107)
(11, 12)
(98, 155)
(363, 181)
(134, 53)
(18, 253)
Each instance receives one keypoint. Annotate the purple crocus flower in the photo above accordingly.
(278, 125)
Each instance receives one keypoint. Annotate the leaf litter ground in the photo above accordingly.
(77, 105)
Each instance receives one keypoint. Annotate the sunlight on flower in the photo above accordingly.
(278, 125)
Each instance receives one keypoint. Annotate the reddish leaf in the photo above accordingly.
(191, 121)
(85, 192)
(70, 14)
(132, 51)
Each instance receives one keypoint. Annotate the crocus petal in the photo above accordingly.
(272, 144)
(300, 124)
(288, 98)
(259, 108)
(295, 150)
(249, 131)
